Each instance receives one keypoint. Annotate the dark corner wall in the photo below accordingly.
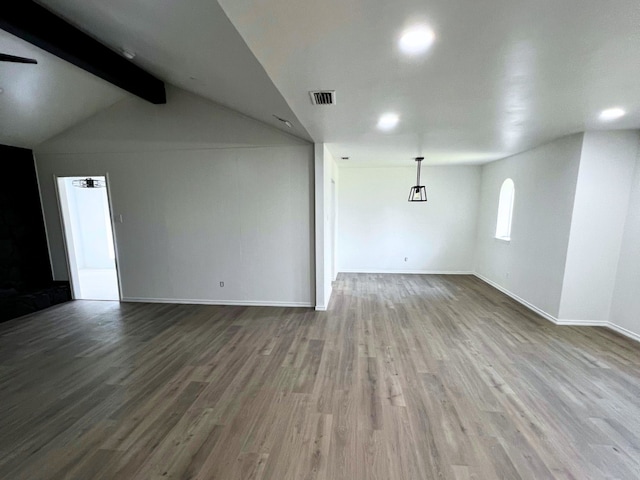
(24, 257)
(26, 284)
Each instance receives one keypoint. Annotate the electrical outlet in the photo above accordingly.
(222, 284)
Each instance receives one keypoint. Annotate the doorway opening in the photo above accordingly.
(88, 233)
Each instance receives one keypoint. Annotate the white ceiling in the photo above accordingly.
(40, 101)
(501, 77)
(190, 44)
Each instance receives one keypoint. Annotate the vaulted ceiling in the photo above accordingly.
(502, 76)
(40, 101)
(192, 45)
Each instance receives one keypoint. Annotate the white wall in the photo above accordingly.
(330, 175)
(531, 266)
(206, 195)
(378, 228)
(625, 307)
(326, 172)
(599, 213)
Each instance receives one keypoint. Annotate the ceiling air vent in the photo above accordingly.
(323, 97)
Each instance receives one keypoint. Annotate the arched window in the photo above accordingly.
(505, 210)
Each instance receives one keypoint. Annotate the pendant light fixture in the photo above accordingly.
(418, 193)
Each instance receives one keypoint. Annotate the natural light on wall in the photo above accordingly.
(505, 210)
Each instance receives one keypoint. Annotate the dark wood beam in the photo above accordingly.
(42, 28)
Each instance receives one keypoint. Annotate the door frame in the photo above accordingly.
(72, 271)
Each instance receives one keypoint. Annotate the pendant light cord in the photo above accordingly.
(419, 163)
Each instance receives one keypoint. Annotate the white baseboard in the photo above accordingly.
(560, 321)
(624, 331)
(522, 301)
(321, 308)
(244, 303)
(410, 272)
(582, 323)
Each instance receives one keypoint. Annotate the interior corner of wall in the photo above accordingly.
(328, 292)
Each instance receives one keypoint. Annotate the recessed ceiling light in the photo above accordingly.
(416, 40)
(612, 114)
(388, 121)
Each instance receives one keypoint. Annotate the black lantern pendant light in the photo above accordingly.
(418, 193)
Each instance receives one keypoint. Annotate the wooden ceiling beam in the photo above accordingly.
(42, 28)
